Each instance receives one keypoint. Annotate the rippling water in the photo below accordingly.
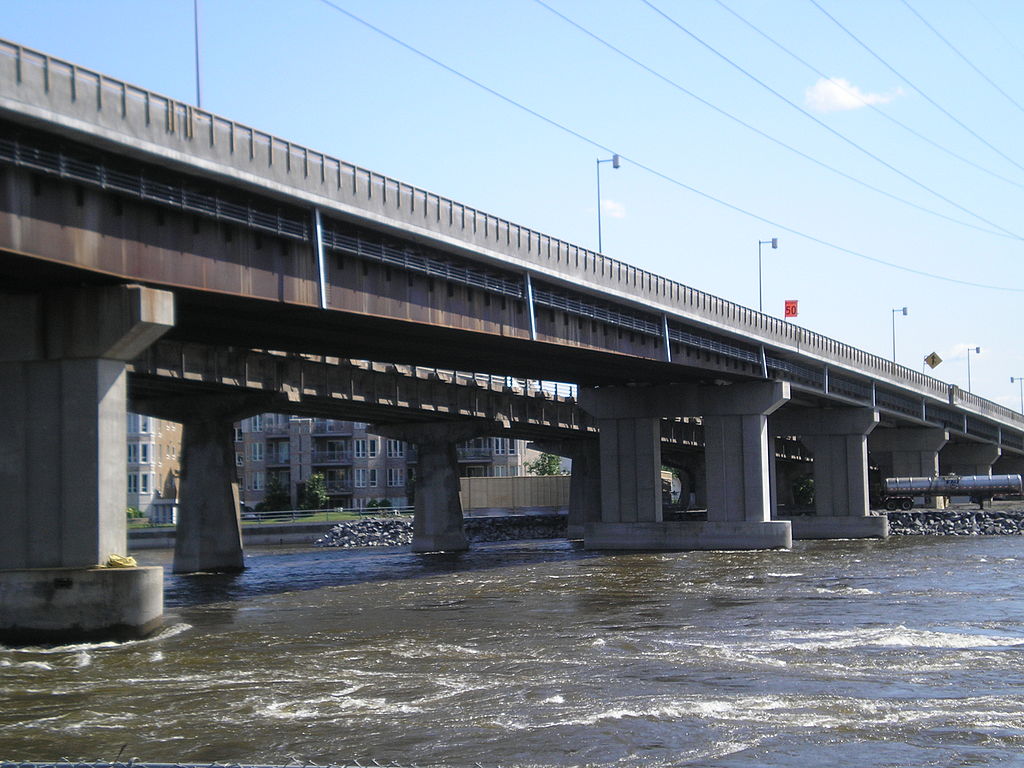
(898, 653)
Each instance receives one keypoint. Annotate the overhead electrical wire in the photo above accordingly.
(997, 28)
(676, 182)
(966, 61)
(854, 94)
(923, 95)
(761, 133)
(821, 123)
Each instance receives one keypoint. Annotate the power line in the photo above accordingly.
(924, 95)
(653, 171)
(966, 61)
(823, 124)
(997, 29)
(854, 94)
(758, 131)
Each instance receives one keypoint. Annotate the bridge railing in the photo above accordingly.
(96, 99)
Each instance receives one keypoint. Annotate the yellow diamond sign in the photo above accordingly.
(933, 360)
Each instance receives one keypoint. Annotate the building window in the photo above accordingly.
(396, 477)
(144, 453)
(501, 471)
(371, 445)
(239, 460)
(257, 481)
(360, 444)
(133, 482)
(256, 452)
(145, 425)
(133, 453)
(144, 482)
(360, 478)
(256, 424)
(512, 449)
(500, 446)
(238, 434)
(371, 475)
(395, 449)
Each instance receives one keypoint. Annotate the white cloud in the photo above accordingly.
(838, 94)
(613, 209)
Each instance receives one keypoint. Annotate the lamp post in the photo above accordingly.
(977, 351)
(774, 243)
(1019, 380)
(894, 312)
(195, 26)
(614, 160)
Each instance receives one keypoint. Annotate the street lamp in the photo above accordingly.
(614, 160)
(977, 351)
(1020, 381)
(774, 243)
(195, 26)
(894, 312)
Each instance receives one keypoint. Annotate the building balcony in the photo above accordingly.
(329, 427)
(331, 457)
(475, 454)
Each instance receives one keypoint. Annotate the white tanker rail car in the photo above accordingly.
(899, 492)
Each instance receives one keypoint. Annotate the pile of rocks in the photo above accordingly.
(955, 522)
(395, 532)
(371, 532)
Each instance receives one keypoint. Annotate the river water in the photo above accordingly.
(900, 653)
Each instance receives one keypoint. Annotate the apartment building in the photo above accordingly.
(358, 466)
(154, 448)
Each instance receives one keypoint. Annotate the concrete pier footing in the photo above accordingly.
(62, 605)
(840, 527)
(696, 535)
(62, 474)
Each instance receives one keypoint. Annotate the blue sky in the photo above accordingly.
(311, 74)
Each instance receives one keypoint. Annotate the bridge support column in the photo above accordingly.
(208, 538)
(209, 533)
(960, 459)
(736, 456)
(584, 482)
(437, 522)
(838, 439)
(62, 463)
(1008, 464)
(736, 449)
(910, 452)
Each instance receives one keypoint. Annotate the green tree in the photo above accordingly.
(314, 495)
(277, 497)
(546, 464)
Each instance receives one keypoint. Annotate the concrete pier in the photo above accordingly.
(736, 458)
(837, 437)
(62, 462)
(908, 452)
(967, 459)
(437, 521)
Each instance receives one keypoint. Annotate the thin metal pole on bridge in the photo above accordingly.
(195, 25)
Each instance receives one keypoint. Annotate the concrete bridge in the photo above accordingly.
(126, 216)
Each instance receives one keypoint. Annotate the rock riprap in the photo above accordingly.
(396, 532)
